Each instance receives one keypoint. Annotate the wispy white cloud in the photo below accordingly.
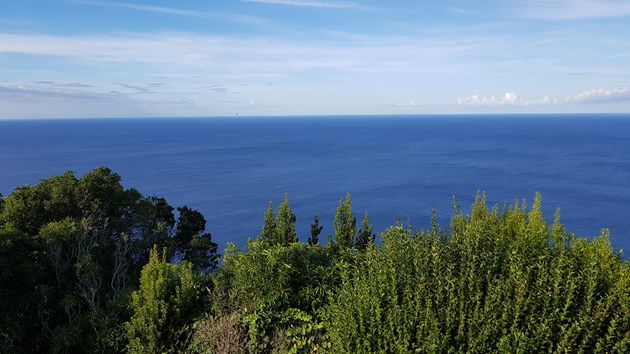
(40, 100)
(603, 95)
(175, 11)
(326, 75)
(41, 89)
(312, 3)
(218, 89)
(507, 99)
(66, 85)
(461, 11)
(596, 95)
(565, 10)
(408, 105)
(135, 88)
(252, 55)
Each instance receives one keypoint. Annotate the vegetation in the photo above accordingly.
(71, 253)
(166, 302)
(89, 266)
(499, 282)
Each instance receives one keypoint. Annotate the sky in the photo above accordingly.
(138, 58)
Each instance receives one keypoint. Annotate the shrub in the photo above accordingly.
(500, 282)
(163, 307)
(277, 288)
(220, 335)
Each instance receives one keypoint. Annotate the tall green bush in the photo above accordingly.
(499, 282)
(163, 306)
(279, 230)
(345, 224)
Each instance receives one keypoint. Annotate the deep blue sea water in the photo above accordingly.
(393, 167)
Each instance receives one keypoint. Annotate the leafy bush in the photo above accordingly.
(166, 303)
(499, 282)
(277, 288)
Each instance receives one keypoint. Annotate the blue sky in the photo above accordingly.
(127, 58)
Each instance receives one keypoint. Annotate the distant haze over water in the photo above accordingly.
(393, 166)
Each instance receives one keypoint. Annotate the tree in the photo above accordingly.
(159, 211)
(92, 238)
(316, 229)
(345, 223)
(189, 224)
(163, 306)
(23, 293)
(286, 224)
(366, 234)
(101, 197)
(202, 253)
(269, 225)
(192, 244)
(279, 230)
(156, 222)
(29, 208)
(59, 238)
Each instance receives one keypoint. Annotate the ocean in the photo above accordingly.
(394, 167)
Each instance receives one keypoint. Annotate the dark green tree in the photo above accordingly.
(159, 211)
(156, 221)
(269, 225)
(192, 244)
(345, 223)
(101, 196)
(30, 207)
(91, 237)
(366, 234)
(60, 240)
(189, 224)
(316, 229)
(23, 293)
(203, 253)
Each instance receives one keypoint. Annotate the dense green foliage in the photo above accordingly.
(89, 266)
(71, 254)
(500, 282)
(278, 290)
(168, 299)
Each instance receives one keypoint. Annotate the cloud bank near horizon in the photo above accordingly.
(187, 59)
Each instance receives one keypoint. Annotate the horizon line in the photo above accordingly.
(358, 115)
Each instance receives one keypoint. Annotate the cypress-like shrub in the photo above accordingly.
(496, 282)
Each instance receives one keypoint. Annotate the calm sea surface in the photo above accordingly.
(393, 167)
